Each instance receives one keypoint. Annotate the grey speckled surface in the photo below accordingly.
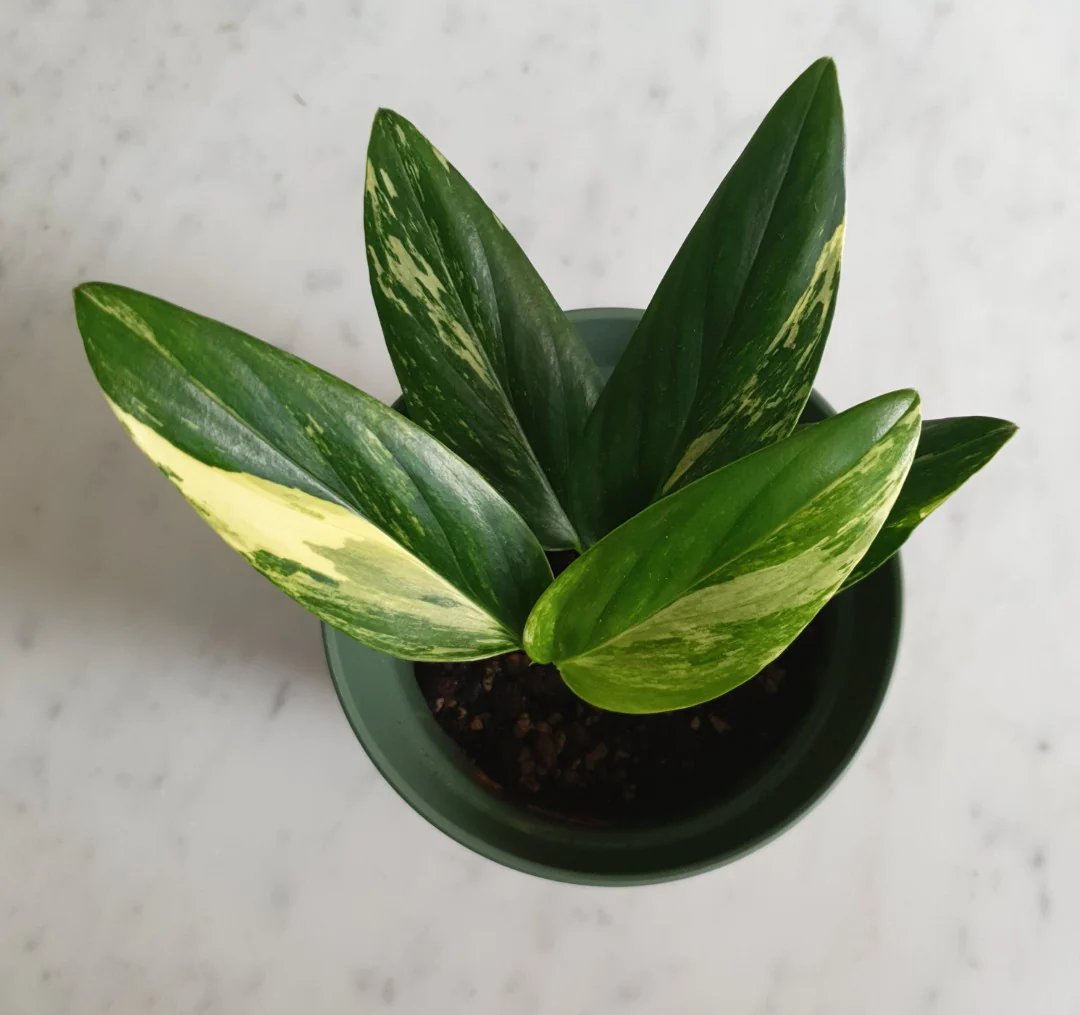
(186, 824)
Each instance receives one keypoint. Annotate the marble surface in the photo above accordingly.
(186, 822)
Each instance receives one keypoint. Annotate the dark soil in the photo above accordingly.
(531, 739)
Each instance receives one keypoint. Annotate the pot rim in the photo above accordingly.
(580, 875)
(777, 774)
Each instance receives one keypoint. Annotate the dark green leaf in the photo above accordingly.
(701, 590)
(348, 507)
(725, 356)
(487, 361)
(950, 452)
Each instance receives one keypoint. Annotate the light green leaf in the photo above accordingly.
(341, 502)
(724, 358)
(487, 361)
(950, 452)
(698, 592)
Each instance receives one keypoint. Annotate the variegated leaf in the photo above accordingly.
(724, 358)
(701, 590)
(341, 502)
(487, 361)
(950, 452)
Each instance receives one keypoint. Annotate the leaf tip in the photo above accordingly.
(898, 404)
(390, 123)
(90, 291)
(531, 638)
(83, 297)
(1003, 431)
(84, 291)
(823, 72)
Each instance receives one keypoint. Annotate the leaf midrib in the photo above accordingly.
(702, 583)
(682, 442)
(538, 469)
(173, 360)
(988, 436)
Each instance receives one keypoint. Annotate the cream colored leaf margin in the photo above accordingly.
(334, 562)
(747, 405)
(719, 635)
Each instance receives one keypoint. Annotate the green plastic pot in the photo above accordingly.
(392, 721)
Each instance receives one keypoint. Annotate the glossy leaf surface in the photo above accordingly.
(487, 361)
(724, 358)
(341, 502)
(698, 592)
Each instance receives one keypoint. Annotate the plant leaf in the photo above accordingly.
(950, 452)
(724, 358)
(701, 590)
(341, 502)
(487, 361)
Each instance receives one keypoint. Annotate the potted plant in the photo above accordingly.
(609, 632)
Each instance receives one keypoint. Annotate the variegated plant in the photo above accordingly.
(710, 531)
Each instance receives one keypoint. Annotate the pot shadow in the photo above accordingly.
(97, 550)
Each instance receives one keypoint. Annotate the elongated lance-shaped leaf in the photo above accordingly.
(724, 358)
(950, 452)
(487, 361)
(341, 502)
(701, 590)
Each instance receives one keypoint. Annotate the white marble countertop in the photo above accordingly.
(186, 821)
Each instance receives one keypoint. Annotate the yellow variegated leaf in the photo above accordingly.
(344, 504)
(725, 355)
(701, 590)
(329, 558)
(487, 360)
(950, 452)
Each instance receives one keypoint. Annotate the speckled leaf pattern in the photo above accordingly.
(950, 452)
(341, 502)
(701, 590)
(487, 361)
(724, 358)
